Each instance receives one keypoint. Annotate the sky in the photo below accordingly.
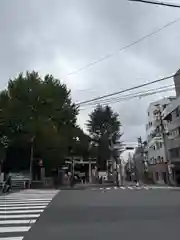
(61, 36)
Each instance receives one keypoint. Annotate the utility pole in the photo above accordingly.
(116, 165)
(157, 3)
(120, 173)
(31, 161)
(90, 163)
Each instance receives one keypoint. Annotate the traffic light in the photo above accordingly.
(129, 148)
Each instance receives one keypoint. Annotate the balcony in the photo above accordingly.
(155, 136)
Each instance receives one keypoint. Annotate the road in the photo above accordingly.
(106, 214)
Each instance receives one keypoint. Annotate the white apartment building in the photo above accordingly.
(172, 115)
(156, 151)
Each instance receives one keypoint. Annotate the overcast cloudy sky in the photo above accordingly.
(61, 36)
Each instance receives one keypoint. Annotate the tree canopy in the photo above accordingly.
(38, 109)
(104, 123)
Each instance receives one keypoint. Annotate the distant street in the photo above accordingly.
(128, 213)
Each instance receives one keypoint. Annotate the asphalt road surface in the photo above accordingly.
(112, 214)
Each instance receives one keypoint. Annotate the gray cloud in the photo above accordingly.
(60, 36)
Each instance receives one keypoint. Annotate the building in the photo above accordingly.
(140, 159)
(177, 83)
(129, 167)
(155, 143)
(172, 115)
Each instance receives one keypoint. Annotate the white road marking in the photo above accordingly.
(30, 196)
(22, 221)
(22, 207)
(23, 204)
(5, 216)
(13, 229)
(26, 199)
(18, 211)
(6, 211)
(137, 188)
(11, 238)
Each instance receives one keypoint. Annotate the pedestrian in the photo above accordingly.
(8, 184)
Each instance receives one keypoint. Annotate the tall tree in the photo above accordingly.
(40, 109)
(102, 125)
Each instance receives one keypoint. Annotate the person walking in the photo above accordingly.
(8, 184)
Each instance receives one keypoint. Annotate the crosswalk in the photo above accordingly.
(18, 211)
(134, 188)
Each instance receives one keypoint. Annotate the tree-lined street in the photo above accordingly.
(89, 120)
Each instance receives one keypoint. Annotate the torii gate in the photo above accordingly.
(79, 160)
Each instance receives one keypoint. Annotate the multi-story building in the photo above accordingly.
(155, 143)
(172, 115)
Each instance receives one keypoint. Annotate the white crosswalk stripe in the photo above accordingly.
(135, 188)
(18, 211)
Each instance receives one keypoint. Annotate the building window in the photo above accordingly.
(148, 113)
(157, 176)
(158, 159)
(169, 118)
(177, 112)
(174, 153)
(179, 131)
(160, 145)
(158, 129)
(151, 161)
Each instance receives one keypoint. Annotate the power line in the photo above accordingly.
(129, 98)
(157, 3)
(128, 89)
(132, 95)
(123, 48)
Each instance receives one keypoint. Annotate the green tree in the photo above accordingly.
(103, 124)
(38, 108)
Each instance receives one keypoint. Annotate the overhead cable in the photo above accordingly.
(127, 89)
(123, 48)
